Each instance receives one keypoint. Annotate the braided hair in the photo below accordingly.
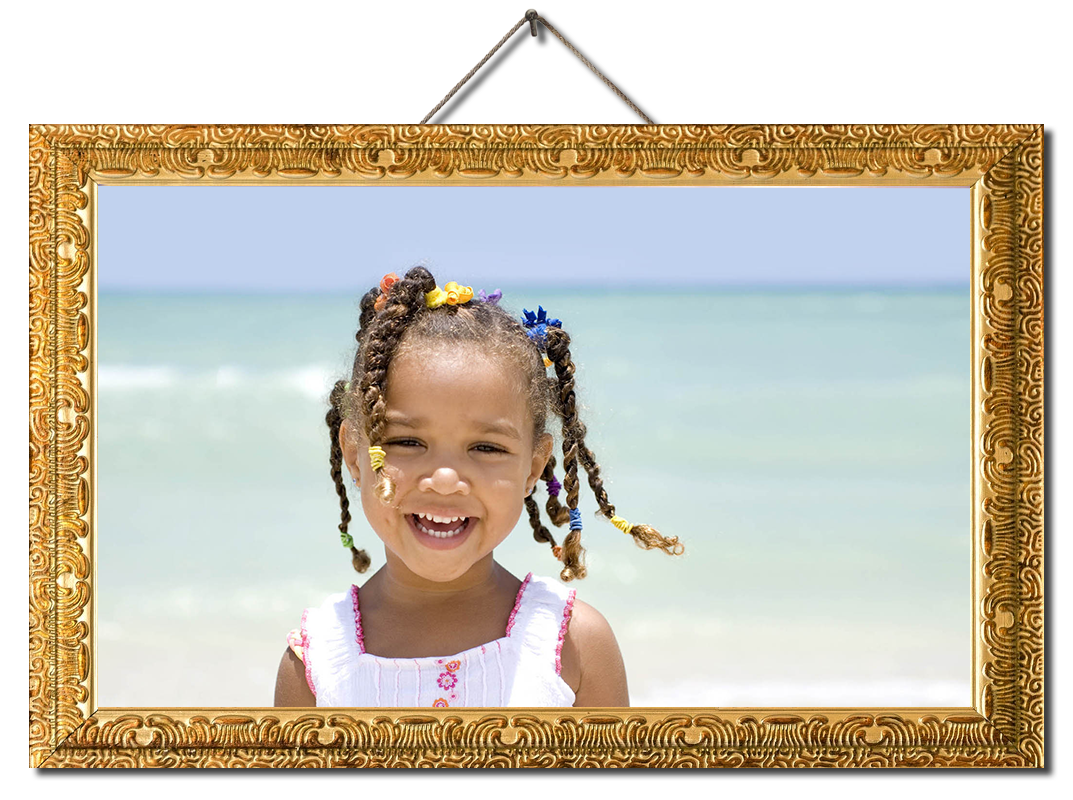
(397, 318)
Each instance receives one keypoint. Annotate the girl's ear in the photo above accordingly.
(348, 443)
(541, 454)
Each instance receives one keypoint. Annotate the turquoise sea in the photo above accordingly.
(809, 447)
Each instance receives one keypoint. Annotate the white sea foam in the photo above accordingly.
(227, 376)
(312, 381)
(182, 604)
(127, 376)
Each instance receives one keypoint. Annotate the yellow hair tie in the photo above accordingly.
(621, 524)
(376, 457)
(451, 294)
(436, 298)
(457, 295)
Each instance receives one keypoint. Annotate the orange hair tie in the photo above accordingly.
(386, 283)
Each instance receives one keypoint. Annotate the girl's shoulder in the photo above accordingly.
(591, 660)
(583, 623)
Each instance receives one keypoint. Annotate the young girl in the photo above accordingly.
(442, 428)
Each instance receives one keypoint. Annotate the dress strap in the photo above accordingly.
(542, 618)
(330, 638)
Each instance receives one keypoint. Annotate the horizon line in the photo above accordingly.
(595, 287)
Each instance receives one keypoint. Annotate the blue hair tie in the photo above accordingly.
(575, 519)
(537, 324)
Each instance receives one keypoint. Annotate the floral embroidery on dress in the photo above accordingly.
(447, 680)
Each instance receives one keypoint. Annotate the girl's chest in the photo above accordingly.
(394, 634)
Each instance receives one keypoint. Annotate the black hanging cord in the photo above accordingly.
(542, 30)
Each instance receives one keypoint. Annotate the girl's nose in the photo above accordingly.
(445, 480)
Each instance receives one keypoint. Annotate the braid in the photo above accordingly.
(540, 533)
(557, 511)
(573, 553)
(645, 536)
(334, 418)
(406, 300)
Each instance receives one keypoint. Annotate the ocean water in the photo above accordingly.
(809, 447)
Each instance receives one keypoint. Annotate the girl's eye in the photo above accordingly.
(484, 447)
(404, 443)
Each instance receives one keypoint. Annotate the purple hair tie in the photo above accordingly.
(553, 487)
(492, 298)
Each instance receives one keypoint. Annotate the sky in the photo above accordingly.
(292, 239)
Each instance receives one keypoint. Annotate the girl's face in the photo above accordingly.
(459, 444)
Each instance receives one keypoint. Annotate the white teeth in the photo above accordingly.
(440, 520)
(440, 534)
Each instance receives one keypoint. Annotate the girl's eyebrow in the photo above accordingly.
(502, 427)
(395, 418)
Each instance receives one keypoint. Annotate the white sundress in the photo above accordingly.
(522, 668)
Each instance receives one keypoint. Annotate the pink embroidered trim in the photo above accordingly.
(517, 603)
(305, 650)
(499, 668)
(358, 632)
(567, 611)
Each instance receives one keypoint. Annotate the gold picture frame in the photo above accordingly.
(1003, 166)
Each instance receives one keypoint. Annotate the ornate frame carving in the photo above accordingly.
(1003, 165)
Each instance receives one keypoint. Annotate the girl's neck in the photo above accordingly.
(397, 584)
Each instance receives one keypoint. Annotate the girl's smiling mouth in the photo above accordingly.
(440, 532)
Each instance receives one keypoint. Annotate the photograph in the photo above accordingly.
(764, 374)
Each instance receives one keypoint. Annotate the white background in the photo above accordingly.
(334, 62)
